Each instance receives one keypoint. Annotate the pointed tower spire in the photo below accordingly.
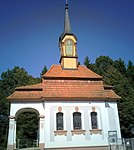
(67, 26)
(67, 45)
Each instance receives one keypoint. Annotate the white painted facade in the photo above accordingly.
(107, 117)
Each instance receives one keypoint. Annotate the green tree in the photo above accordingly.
(4, 112)
(120, 65)
(87, 62)
(78, 63)
(89, 65)
(27, 129)
(15, 78)
(43, 71)
(116, 73)
(103, 63)
(8, 82)
(130, 71)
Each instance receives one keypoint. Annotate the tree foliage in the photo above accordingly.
(115, 73)
(15, 78)
(43, 71)
(29, 128)
(121, 76)
(8, 82)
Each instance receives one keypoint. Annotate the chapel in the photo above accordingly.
(76, 110)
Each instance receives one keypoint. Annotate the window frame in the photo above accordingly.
(57, 121)
(94, 120)
(69, 45)
(77, 121)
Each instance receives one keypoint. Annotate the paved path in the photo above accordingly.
(33, 148)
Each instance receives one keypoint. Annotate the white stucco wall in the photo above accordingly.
(18, 107)
(51, 108)
(108, 120)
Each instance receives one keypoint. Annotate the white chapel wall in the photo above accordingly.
(48, 124)
(87, 139)
(17, 106)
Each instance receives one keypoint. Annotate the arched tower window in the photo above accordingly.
(77, 120)
(59, 121)
(94, 120)
(69, 47)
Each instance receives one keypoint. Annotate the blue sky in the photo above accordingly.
(30, 29)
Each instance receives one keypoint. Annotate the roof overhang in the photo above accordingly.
(78, 99)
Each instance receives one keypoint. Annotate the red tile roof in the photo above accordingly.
(56, 71)
(34, 86)
(71, 88)
(111, 94)
(28, 92)
(25, 95)
(67, 84)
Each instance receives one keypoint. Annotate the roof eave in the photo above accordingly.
(64, 34)
(37, 99)
(71, 78)
(79, 99)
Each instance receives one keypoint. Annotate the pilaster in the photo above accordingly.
(11, 133)
(41, 132)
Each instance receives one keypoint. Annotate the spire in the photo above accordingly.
(67, 44)
(67, 26)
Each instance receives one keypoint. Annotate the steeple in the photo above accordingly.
(67, 44)
(67, 26)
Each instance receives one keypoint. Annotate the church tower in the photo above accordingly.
(67, 45)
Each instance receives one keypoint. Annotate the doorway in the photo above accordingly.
(27, 128)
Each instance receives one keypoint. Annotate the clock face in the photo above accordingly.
(69, 47)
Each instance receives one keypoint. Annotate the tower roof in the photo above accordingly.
(67, 25)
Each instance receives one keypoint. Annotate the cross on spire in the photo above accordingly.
(66, 1)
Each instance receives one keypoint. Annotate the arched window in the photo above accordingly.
(77, 120)
(94, 120)
(69, 47)
(59, 121)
